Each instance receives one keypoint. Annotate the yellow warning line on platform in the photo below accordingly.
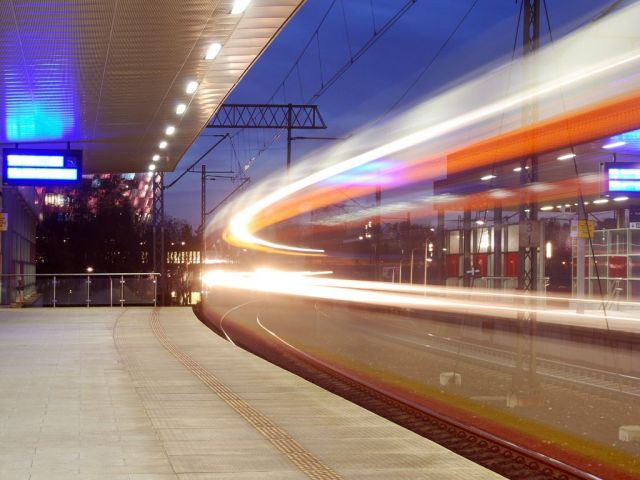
(304, 460)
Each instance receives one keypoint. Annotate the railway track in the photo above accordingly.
(499, 455)
(591, 378)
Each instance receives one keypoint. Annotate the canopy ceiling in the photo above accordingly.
(107, 75)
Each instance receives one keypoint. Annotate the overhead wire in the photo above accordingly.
(431, 62)
(338, 73)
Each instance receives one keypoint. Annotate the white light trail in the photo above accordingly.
(587, 71)
(452, 300)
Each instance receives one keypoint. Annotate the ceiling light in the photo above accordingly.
(566, 156)
(152, 167)
(180, 108)
(162, 144)
(239, 6)
(192, 86)
(567, 205)
(487, 177)
(155, 158)
(212, 51)
(479, 222)
(546, 208)
(517, 169)
(170, 130)
(601, 200)
(614, 144)
(620, 199)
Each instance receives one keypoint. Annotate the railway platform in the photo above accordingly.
(152, 394)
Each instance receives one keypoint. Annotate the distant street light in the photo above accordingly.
(89, 269)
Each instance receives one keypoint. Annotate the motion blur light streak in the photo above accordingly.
(438, 128)
(306, 284)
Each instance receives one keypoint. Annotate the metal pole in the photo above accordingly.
(580, 274)
(122, 290)
(88, 291)
(400, 269)
(289, 127)
(54, 291)
(110, 291)
(411, 269)
(378, 230)
(439, 251)
(467, 266)
(426, 246)
(203, 210)
(155, 290)
(497, 245)
(163, 259)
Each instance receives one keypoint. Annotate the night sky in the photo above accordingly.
(416, 58)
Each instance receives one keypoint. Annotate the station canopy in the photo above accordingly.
(110, 77)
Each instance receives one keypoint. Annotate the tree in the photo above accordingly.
(98, 230)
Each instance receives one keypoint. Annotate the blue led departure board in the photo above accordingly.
(41, 166)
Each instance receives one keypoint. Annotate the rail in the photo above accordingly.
(593, 378)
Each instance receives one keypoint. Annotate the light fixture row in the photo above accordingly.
(564, 156)
(239, 6)
(597, 201)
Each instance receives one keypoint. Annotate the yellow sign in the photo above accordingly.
(4, 222)
(582, 228)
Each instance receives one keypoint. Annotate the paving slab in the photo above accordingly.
(152, 394)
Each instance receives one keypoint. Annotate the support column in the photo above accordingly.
(440, 254)
(158, 258)
(203, 215)
(377, 232)
(498, 259)
(289, 128)
(466, 249)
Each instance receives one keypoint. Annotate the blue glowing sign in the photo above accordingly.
(623, 178)
(41, 167)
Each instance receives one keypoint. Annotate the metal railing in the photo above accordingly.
(79, 289)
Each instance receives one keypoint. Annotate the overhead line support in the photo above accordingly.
(269, 116)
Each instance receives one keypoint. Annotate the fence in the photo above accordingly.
(80, 289)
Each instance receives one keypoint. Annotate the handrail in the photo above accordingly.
(93, 274)
(26, 288)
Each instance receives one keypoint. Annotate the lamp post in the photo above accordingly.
(426, 262)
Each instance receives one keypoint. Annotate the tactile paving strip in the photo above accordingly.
(304, 460)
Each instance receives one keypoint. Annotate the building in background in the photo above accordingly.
(20, 210)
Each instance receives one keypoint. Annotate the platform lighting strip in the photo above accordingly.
(212, 51)
(614, 145)
(239, 6)
(192, 86)
(35, 160)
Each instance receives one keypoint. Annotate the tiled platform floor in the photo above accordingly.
(139, 394)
